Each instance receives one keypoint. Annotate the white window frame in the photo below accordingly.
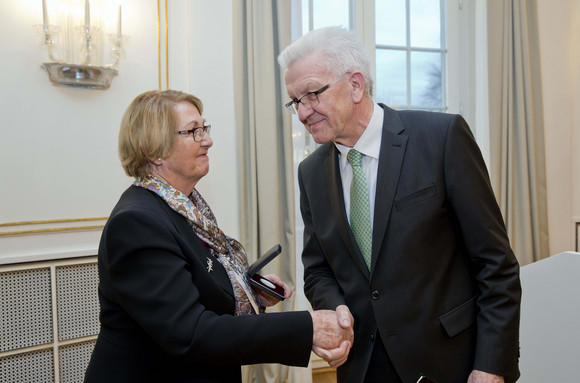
(363, 22)
(466, 24)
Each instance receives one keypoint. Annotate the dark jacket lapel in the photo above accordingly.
(334, 182)
(393, 146)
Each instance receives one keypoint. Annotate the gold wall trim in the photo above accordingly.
(166, 48)
(6, 225)
(46, 221)
(57, 229)
(159, 38)
(159, 43)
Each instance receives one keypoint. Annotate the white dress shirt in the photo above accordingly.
(369, 144)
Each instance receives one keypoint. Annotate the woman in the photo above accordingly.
(175, 302)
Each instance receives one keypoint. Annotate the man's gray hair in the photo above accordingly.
(344, 51)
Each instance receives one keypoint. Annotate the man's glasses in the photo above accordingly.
(197, 133)
(309, 100)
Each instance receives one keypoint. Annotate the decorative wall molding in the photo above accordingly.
(51, 226)
(162, 41)
(43, 240)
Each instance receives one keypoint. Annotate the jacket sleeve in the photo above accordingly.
(153, 284)
(320, 285)
(496, 268)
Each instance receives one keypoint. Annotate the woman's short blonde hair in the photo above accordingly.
(148, 129)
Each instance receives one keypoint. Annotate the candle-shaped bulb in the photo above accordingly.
(87, 14)
(119, 21)
(44, 15)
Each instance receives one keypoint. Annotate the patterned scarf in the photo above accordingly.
(228, 251)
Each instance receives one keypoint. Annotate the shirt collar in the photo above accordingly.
(369, 143)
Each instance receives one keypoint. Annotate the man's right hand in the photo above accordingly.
(333, 334)
(345, 318)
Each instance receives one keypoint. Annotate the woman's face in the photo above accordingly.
(188, 162)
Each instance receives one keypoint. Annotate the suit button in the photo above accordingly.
(375, 295)
(373, 338)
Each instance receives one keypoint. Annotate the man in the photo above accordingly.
(438, 294)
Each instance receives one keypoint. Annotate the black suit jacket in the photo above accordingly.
(166, 316)
(443, 291)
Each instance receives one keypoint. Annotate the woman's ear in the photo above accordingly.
(155, 161)
(357, 81)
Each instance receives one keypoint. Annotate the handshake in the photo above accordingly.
(333, 334)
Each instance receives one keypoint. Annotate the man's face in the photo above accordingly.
(327, 121)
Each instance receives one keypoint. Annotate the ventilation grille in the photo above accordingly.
(26, 309)
(74, 360)
(33, 348)
(30, 367)
(77, 301)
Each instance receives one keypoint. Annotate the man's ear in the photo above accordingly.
(357, 81)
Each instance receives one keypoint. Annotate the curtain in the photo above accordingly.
(265, 162)
(517, 161)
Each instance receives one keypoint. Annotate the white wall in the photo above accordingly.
(58, 145)
(212, 79)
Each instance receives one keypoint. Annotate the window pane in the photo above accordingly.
(305, 17)
(425, 23)
(330, 12)
(426, 79)
(391, 81)
(390, 22)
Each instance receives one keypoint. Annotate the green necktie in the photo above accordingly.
(360, 212)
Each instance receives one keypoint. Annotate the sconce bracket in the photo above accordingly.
(84, 76)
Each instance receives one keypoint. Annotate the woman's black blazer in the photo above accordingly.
(167, 306)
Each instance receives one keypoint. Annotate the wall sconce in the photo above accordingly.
(75, 46)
